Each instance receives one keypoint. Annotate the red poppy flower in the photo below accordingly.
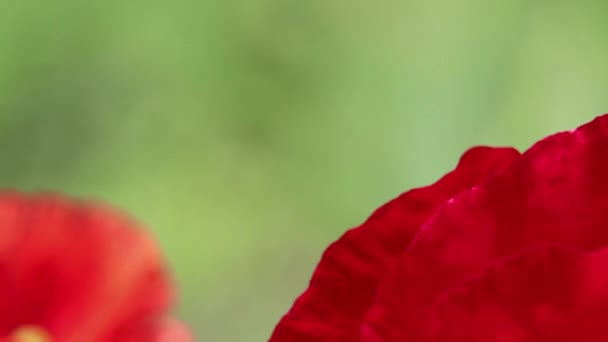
(74, 272)
(506, 247)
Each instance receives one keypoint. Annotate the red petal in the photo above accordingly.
(556, 192)
(344, 283)
(79, 270)
(153, 330)
(546, 294)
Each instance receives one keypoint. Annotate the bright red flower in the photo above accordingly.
(506, 247)
(75, 271)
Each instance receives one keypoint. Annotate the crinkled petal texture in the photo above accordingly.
(556, 193)
(81, 271)
(545, 294)
(517, 252)
(345, 281)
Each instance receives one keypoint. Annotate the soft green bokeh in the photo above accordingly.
(249, 134)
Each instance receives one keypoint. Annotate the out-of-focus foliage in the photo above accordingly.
(249, 134)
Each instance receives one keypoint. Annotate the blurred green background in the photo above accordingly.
(248, 134)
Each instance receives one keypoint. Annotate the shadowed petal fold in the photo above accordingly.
(545, 294)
